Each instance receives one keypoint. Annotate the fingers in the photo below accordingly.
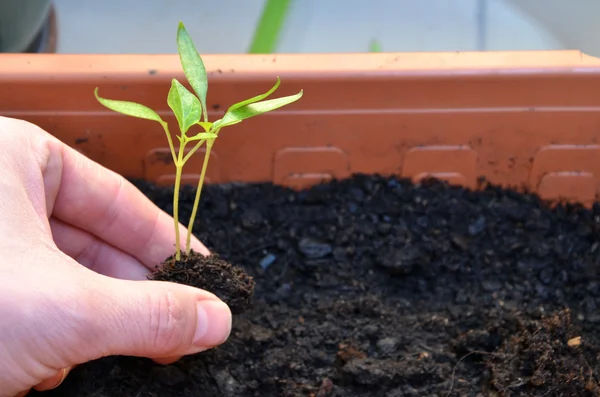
(167, 360)
(153, 319)
(95, 254)
(104, 204)
(50, 383)
(53, 382)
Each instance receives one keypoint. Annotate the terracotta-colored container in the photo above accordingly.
(524, 119)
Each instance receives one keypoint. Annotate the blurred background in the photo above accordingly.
(299, 26)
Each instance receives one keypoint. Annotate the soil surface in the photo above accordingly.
(373, 286)
(230, 283)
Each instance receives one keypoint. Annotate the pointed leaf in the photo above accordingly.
(203, 135)
(185, 105)
(129, 108)
(256, 98)
(192, 65)
(254, 109)
(207, 126)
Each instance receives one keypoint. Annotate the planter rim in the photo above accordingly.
(522, 119)
(73, 66)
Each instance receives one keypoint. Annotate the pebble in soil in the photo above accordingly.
(374, 286)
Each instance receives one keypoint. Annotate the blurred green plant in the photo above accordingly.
(269, 27)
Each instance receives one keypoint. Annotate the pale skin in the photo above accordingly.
(77, 243)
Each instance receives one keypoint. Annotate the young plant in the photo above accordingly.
(191, 111)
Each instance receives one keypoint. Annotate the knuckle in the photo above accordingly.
(168, 323)
(17, 130)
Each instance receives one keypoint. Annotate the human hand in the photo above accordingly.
(77, 242)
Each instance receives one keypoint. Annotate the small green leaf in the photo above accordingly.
(192, 65)
(207, 126)
(203, 135)
(254, 109)
(185, 105)
(256, 98)
(129, 108)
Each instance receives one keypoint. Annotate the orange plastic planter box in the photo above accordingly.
(526, 119)
(382, 287)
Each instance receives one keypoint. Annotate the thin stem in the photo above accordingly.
(166, 128)
(209, 144)
(191, 152)
(178, 172)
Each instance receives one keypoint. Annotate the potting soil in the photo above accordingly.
(373, 286)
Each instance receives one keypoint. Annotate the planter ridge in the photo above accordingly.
(524, 119)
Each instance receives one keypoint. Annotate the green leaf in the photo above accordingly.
(192, 65)
(254, 109)
(203, 135)
(207, 126)
(256, 98)
(185, 105)
(129, 108)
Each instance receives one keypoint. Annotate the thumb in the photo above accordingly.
(151, 319)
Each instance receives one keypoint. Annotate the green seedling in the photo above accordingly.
(191, 112)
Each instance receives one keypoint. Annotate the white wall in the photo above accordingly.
(574, 22)
(149, 26)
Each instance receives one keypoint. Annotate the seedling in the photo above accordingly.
(190, 111)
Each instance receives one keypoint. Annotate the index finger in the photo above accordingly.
(103, 203)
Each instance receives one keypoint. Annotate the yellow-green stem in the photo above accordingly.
(209, 144)
(191, 152)
(178, 172)
(169, 139)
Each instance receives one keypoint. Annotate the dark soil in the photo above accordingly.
(376, 287)
(536, 353)
(230, 283)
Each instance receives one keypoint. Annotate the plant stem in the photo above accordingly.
(209, 143)
(191, 152)
(166, 128)
(178, 172)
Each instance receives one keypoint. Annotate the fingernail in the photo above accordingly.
(166, 360)
(213, 323)
(64, 373)
(53, 382)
